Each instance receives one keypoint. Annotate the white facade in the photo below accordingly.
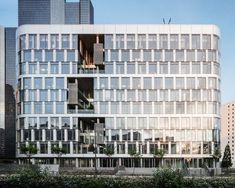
(159, 87)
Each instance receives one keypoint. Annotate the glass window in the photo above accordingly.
(179, 83)
(65, 41)
(152, 41)
(130, 41)
(169, 55)
(125, 55)
(190, 83)
(169, 107)
(185, 68)
(60, 107)
(158, 108)
(43, 122)
(185, 95)
(75, 41)
(174, 68)
(108, 68)
(131, 95)
(174, 41)
(59, 55)
(190, 55)
(65, 122)
(196, 68)
(206, 41)
(104, 107)
(48, 83)
(114, 55)
(43, 68)
(49, 107)
(142, 95)
(126, 108)
(114, 83)
(158, 83)
(147, 108)
(70, 55)
(142, 41)
(43, 95)
(65, 68)
(108, 42)
(201, 55)
(195, 41)
(125, 83)
(59, 83)
(27, 83)
(147, 83)
(163, 41)
(22, 42)
(180, 108)
(185, 41)
(158, 55)
(48, 55)
(163, 68)
(136, 55)
(206, 68)
(152, 68)
(169, 83)
(54, 95)
(201, 83)
(141, 68)
(131, 68)
(37, 107)
(119, 41)
(37, 83)
(32, 41)
(174, 95)
(136, 83)
(136, 107)
(32, 122)
(32, 68)
(54, 41)
(27, 108)
(115, 108)
(27, 55)
(103, 83)
(215, 42)
(37, 55)
(147, 55)
(119, 68)
(152, 95)
(54, 68)
(179, 55)
(43, 41)
(120, 95)
(32, 95)
(163, 95)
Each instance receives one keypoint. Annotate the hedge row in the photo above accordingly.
(163, 178)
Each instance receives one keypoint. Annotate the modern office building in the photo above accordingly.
(227, 128)
(130, 87)
(55, 12)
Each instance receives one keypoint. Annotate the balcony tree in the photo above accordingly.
(59, 152)
(227, 161)
(29, 151)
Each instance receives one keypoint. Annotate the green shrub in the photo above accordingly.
(166, 177)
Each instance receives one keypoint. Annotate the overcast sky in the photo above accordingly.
(219, 12)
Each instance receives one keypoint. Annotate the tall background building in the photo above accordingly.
(55, 12)
(130, 87)
(227, 128)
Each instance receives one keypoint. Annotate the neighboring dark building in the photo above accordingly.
(86, 12)
(10, 85)
(72, 13)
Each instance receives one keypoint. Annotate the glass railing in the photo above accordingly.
(90, 71)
